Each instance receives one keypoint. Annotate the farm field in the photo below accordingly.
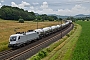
(7, 28)
(82, 50)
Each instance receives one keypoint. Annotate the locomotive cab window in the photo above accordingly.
(37, 32)
(13, 38)
(18, 37)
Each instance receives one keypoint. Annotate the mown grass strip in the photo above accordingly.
(64, 50)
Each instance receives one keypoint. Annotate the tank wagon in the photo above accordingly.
(40, 32)
(46, 31)
(22, 39)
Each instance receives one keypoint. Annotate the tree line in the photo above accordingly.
(44, 17)
(83, 18)
(79, 18)
(15, 13)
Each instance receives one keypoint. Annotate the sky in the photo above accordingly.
(59, 7)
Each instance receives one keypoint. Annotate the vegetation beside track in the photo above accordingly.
(7, 28)
(53, 48)
(82, 50)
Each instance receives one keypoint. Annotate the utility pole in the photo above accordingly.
(61, 28)
(58, 21)
(37, 23)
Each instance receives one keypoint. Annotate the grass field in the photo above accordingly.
(82, 50)
(7, 28)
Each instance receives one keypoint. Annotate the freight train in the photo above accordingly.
(24, 38)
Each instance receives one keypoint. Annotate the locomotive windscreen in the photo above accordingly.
(13, 38)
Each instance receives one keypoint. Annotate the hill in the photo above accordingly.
(81, 15)
(76, 16)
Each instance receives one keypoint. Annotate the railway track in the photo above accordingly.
(27, 51)
(5, 52)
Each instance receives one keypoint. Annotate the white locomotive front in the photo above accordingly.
(18, 40)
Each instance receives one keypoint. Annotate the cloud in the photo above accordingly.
(86, 1)
(13, 4)
(45, 5)
(35, 3)
(77, 9)
(31, 7)
(45, 9)
(1, 0)
(0, 5)
(22, 5)
(34, 9)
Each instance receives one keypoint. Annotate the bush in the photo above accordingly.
(42, 54)
(36, 58)
(21, 21)
(68, 35)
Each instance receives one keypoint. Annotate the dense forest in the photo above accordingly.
(15, 13)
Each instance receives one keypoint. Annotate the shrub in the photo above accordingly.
(36, 58)
(21, 21)
(68, 35)
(42, 54)
(48, 50)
